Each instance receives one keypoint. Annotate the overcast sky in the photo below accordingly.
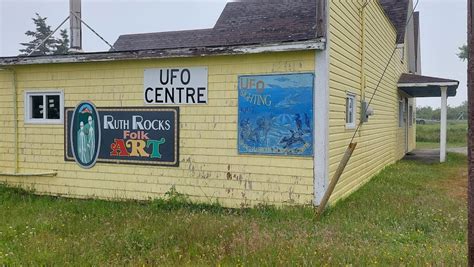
(443, 27)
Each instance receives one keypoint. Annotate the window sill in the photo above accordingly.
(44, 122)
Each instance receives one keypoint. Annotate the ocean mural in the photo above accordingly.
(276, 114)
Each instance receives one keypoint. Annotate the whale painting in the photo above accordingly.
(276, 114)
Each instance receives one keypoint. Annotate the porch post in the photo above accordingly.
(444, 123)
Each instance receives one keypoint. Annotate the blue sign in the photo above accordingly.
(276, 114)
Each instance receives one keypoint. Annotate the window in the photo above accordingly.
(401, 50)
(350, 111)
(44, 107)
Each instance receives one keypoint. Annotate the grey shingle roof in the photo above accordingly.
(244, 22)
(407, 78)
(254, 22)
(397, 12)
(162, 40)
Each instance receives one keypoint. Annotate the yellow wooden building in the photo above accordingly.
(352, 51)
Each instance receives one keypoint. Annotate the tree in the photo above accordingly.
(454, 113)
(62, 45)
(51, 46)
(463, 52)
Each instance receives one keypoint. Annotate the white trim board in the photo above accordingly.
(321, 120)
(407, 85)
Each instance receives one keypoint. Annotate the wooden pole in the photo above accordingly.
(470, 200)
(335, 179)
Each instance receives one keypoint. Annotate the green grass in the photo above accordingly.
(429, 133)
(410, 214)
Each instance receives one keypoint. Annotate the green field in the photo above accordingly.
(410, 214)
(427, 136)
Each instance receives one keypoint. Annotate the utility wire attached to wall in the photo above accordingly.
(385, 69)
(351, 147)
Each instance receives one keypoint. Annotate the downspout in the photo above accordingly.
(362, 60)
(15, 133)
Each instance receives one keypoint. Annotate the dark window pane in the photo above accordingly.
(37, 107)
(53, 107)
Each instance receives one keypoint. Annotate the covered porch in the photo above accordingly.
(424, 86)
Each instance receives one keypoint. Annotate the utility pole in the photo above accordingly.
(470, 201)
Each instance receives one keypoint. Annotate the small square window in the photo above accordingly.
(44, 107)
(350, 111)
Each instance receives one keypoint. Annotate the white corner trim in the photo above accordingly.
(321, 125)
(321, 120)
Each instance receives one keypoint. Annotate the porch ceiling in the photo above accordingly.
(425, 86)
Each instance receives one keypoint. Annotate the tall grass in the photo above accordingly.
(457, 133)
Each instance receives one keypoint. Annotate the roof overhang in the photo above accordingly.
(316, 44)
(425, 86)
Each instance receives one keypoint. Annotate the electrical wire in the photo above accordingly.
(384, 72)
(90, 28)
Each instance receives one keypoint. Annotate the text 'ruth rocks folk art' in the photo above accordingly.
(124, 135)
(276, 114)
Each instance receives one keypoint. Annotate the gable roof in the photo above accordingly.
(246, 26)
(397, 12)
(240, 23)
(255, 22)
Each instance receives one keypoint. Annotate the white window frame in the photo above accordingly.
(28, 108)
(351, 125)
(401, 113)
(401, 48)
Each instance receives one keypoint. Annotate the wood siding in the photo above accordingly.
(210, 167)
(381, 140)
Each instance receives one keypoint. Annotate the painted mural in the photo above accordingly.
(85, 134)
(276, 114)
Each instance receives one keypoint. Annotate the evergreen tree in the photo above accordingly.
(62, 45)
(463, 52)
(51, 45)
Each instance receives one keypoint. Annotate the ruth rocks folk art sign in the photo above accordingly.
(276, 114)
(122, 135)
